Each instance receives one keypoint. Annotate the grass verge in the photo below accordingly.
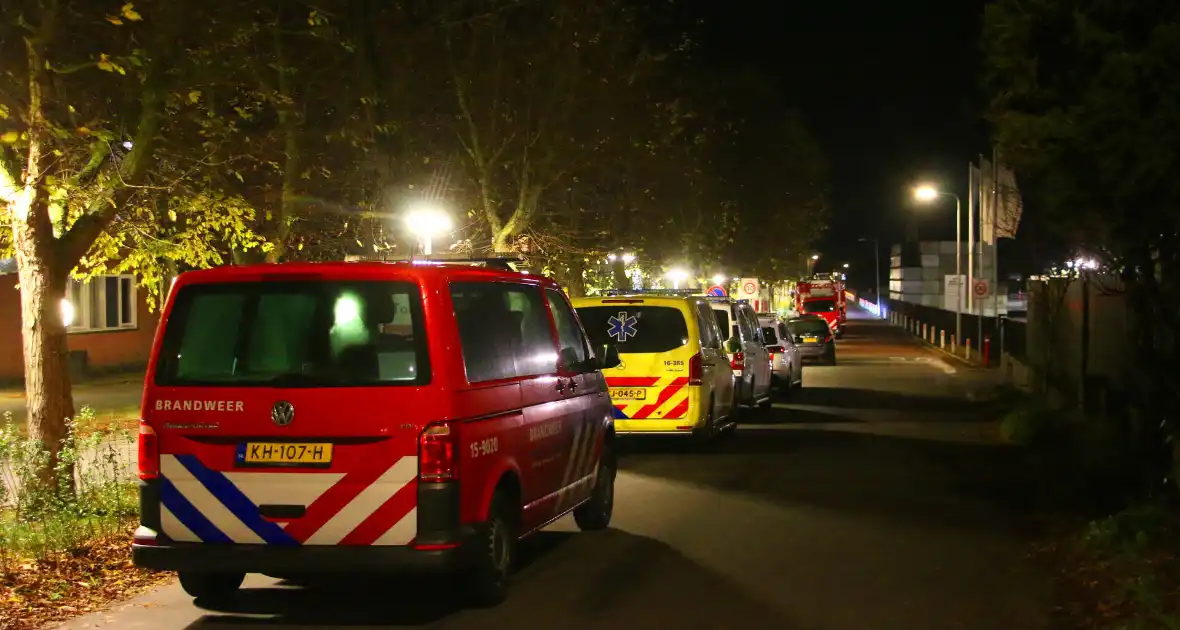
(1120, 572)
(64, 545)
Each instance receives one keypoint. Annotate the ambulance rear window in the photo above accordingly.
(635, 329)
(295, 334)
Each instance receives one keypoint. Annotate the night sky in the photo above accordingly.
(891, 91)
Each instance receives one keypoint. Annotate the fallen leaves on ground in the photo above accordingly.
(34, 593)
(1107, 588)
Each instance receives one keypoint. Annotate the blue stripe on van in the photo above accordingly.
(237, 503)
(189, 515)
(618, 413)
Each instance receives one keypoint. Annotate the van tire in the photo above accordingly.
(706, 436)
(493, 555)
(595, 513)
(210, 587)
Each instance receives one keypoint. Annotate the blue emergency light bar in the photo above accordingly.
(504, 261)
(678, 292)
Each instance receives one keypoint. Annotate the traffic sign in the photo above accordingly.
(749, 288)
(717, 291)
(981, 289)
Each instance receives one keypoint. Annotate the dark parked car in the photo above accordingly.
(814, 339)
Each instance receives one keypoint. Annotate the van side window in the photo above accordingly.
(571, 342)
(750, 331)
(503, 330)
(710, 335)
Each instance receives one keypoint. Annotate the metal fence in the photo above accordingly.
(1000, 334)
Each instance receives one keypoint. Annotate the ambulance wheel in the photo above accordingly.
(211, 586)
(595, 513)
(706, 436)
(494, 552)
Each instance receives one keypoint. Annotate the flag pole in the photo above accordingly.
(995, 200)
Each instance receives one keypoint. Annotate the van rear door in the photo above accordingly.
(287, 412)
(656, 350)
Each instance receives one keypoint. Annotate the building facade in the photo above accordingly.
(110, 327)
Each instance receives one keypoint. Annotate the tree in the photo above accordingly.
(87, 97)
(1083, 102)
(771, 174)
(525, 78)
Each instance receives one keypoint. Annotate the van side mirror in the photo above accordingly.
(732, 345)
(609, 357)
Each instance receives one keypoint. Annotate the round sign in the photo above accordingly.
(980, 288)
(717, 291)
(750, 287)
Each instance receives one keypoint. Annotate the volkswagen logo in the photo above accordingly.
(282, 413)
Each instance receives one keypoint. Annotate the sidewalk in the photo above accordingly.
(115, 394)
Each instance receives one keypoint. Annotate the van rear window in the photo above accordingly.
(295, 334)
(635, 329)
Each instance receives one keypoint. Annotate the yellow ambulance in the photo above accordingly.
(675, 377)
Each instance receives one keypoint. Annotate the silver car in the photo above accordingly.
(785, 362)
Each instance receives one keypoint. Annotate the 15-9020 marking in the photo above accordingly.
(483, 448)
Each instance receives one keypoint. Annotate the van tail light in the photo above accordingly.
(696, 370)
(438, 453)
(738, 362)
(828, 338)
(149, 452)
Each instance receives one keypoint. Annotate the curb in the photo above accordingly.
(942, 354)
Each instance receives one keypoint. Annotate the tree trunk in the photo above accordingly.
(41, 277)
(47, 376)
(619, 271)
(577, 279)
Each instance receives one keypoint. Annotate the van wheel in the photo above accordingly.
(211, 586)
(595, 514)
(705, 436)
(493, 554)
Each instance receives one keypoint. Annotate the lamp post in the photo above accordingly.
(427, 222)
(876, 266)
(811, 265)
(928, 194)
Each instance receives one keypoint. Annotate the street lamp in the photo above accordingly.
(845, 265)
(628, 259)
(811, 264)
(427, 221)
(927, 194)
(677, 276)
(718, 279)
(877, 267)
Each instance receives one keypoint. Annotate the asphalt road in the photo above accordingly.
(876, 499)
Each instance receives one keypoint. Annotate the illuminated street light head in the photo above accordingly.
(925, 193)
(718, 279)
(427, 220)
(815, 256)
(628, 258)
(677, 275)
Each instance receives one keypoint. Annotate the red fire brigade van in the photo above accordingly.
(367, 417)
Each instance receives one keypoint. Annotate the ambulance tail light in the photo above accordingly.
(696, 370)
(738, 362)
(149, 452)
(438, 453)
